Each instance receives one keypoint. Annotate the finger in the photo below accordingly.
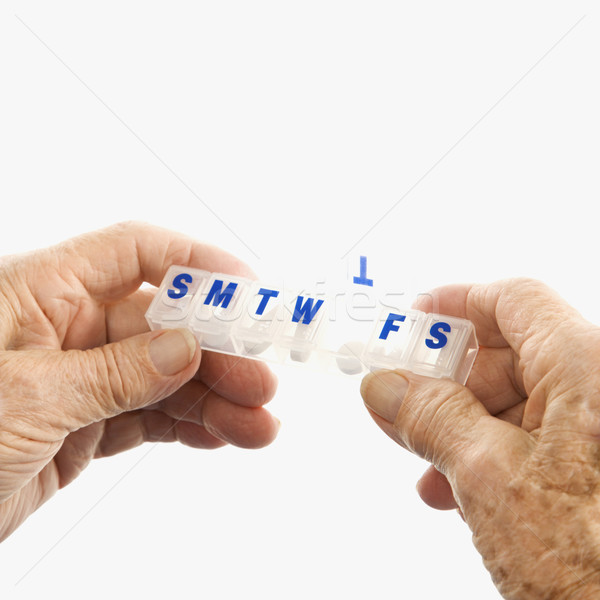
(421, 413)
(121, 320)
(196, 436)
(62, 391)
(557, 350)
(514, 415)
(129, 430)
(238, 425)
(523, 313)
(438, 420)
(495, 379)
(76, 452)
(244, 381)
(136, 252)
(126, 318)
(434, 489)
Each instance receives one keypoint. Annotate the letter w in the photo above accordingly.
(306, 310)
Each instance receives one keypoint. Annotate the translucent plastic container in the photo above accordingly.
(265, 321)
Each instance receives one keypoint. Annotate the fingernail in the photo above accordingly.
(172, 351)
(383, 393)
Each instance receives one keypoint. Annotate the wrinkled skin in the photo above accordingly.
(517, 450)
(78, 377)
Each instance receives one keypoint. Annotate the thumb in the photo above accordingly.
(439, 420)
(81, 387)
(133, 373)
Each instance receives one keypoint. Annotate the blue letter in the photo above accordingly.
(389, 325)
(266, 296)
(215, 292)
(178, 282)
(305, 310)
(440, 339)
(362, 278)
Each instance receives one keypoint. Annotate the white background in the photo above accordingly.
(473, 128)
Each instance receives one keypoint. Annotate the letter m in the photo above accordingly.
(216, 296)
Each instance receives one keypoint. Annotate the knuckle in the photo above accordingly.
(129, 227)
(528, 284)
(513, 288)
(570, 355)
(428, 415)
(114, 383)
(523, 287)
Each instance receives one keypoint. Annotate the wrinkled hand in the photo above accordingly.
(81, 377)
(518, 449)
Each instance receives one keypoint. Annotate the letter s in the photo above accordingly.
(178, 282)
(440, 340)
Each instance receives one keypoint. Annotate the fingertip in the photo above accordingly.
(269, 436)
(435, 490)
(270, 384)
(424, 302)
(365, 383)
(383, 393)
(242, 426)
(264, 431)
(172, 351)
(371, 381)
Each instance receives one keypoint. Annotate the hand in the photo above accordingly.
(518, 449)
(81, 377)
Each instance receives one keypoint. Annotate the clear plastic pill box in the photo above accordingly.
(266, 321)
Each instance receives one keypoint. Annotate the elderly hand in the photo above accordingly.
(81, 377)
(518, 449)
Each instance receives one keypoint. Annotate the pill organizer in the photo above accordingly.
(350, 331)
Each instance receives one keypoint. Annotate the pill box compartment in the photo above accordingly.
(217, 308)
(172, 305)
